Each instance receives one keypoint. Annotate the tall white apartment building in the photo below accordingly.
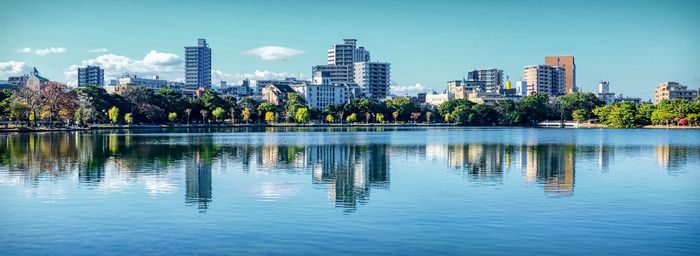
(347, 53)
(373, 78)
(545, 79)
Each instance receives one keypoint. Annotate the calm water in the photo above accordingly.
(320, 192)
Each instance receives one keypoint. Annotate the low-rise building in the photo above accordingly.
(462, 88)
(487, 98)
(674, 90)
(276, 93)
(133, 80)
(435, 99)
(321, 92)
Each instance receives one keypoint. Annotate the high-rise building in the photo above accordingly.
(493, 78)
(674, 90)
(341, 58)
(91, 75)
(570, 67)
(198, 65)
(373, 78)
(347, 53)
(544, 79)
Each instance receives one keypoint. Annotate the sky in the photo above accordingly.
(633, 44)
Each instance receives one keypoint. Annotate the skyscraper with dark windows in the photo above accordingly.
(198, 65)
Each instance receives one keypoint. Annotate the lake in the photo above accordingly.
(321, 191)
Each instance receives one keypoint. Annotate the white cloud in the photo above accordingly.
(401, 90)
(154, 58)
(42, 52)
(274, 53)
(218, 75)
(12, 68)
(98, 50)
(165, 65)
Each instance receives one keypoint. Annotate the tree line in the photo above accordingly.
(58, 105)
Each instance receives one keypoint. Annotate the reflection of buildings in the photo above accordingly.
(605, 155)
(674, 158)
(482, 162)
(553, 165)
(349, 171)
(198, 181)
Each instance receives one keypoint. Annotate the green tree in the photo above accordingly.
(535, 108)
(172, 116)
(267, 107)
(218, 113)
(693, 118)
(662, 116)
(294, 102)
(351, 118)
(245, 114)
(622, 115)
(461, 114)
(428, 117)
(128, 118)
(302, 115)
(329, 118)
(578, 100)
(644, 112)
(270, 117)
(113, 114)
(580, 115)
(380, 117)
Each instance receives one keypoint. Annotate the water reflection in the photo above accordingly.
(347, 171)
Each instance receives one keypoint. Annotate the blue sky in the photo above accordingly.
(633, 44)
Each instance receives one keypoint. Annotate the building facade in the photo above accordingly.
(492, 78)
(545, 79)
(521, 88)
(91, 75)
(133, 80)
(567, 62)
(604, 93)
(373, 78)
(435, 99)
(198, 65)
(276, 93)
(674, 90)
(347, 53)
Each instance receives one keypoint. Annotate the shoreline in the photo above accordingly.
(292, 125)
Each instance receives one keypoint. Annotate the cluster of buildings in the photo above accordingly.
(487, 86)
(350, 73)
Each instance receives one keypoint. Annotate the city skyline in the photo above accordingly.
(252, 45)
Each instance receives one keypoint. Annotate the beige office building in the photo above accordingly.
(674, 90)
